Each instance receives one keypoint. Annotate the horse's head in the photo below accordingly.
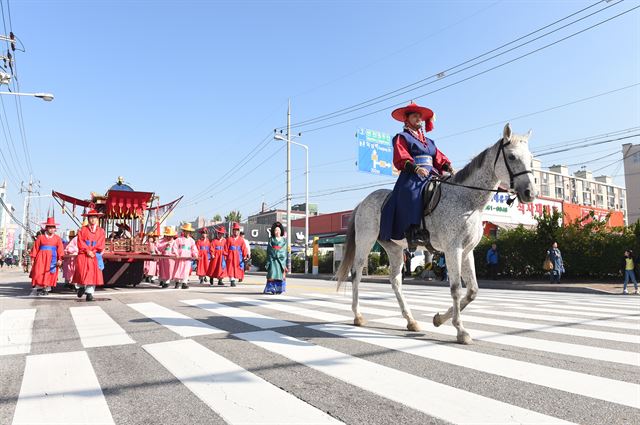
(513, 164)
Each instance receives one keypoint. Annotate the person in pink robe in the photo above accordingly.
(69, 261)
(151, 266)
(184, 247)
(166, 264)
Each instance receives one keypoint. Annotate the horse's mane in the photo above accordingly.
(477, 162)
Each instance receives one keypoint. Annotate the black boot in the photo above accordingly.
(185, 286)
(206, 280)
(220, 282)
(89, 297)
(416, 237)
(233, 283)
(81, 291)
(201, 279)
(177, 285)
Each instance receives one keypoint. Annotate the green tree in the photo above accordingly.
(259, 258)
(233, 216)
(217, 218)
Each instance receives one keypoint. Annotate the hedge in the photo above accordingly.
(589, 249)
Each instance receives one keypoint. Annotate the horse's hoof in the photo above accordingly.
(464, 338)
(437, 320)
(413, 326)
(359, 321)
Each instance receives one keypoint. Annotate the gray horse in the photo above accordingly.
(455, 226)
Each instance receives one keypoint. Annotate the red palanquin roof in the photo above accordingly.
(127, 204)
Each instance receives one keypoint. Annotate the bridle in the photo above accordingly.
(512, 175)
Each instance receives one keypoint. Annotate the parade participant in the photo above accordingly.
(124, 232)
(204, 255)
(218, 264)
(46, 255)
(236, 252)
(276, 261)
(165, 248)
(184, 247)
(417, 158)
(89, 264)
(69, 262)
(151, 266)
(247, 260)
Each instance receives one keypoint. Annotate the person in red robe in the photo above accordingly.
(89, 263)
(204, 255)
(46, 257)
(236, 253)
(218, 263)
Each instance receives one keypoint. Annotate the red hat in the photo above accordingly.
(51, 222)
(236, 226)
(221, 230)
(203, 231)
(400, 114)
(92, 213)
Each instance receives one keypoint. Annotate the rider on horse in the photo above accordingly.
(417, 158)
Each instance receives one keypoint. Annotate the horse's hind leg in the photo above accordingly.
(358, 264)
(396, 261)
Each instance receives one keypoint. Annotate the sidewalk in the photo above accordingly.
(607, 288)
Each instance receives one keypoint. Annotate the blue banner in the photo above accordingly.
(375, 153)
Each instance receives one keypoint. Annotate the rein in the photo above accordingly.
(512, 176)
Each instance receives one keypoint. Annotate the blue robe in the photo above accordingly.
(404, 207)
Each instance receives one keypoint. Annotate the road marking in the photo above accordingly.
(238, 396)
(97, 329)
(560, 379)
(633, 314)
(607, 323)
(289, 307)
(339, 306)
(596, 316)
(183, 325)
(433, 398)
(16, 328)
(239, 314)
(61, 388)
(632, 359)
(562, 330)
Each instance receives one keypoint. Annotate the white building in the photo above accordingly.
(631, 157)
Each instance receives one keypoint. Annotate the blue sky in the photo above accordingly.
(145, 88)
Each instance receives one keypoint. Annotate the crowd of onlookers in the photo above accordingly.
(8, 260)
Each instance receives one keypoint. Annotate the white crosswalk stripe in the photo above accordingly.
(16, 327)
(97, 329)
(518, 344)
(444, 402)
(179, 323)
(237, 395)
(68, 393)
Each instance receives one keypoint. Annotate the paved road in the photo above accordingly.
(231, 355)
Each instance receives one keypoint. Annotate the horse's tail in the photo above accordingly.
(349, 253)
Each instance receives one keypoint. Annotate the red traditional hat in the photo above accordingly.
(51, 222)
(203, 231)
(400, 114)
(92, 212)
(221, 230)
(236, 226)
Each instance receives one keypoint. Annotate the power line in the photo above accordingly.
(552, 108)
(446, 73)
(568, 143)
(477, 74)
(588, 145)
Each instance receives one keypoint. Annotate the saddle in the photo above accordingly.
(419, 235)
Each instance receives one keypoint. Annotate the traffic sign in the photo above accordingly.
(375, 152)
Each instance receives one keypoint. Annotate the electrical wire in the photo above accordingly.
(588, 145)
(446, 73)
(476, 74)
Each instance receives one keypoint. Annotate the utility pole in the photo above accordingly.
(289, 186)
(25, 216)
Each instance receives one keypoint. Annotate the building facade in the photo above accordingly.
(631, 161)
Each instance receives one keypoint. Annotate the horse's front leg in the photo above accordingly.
(395, 273)
(454, 270)
(469, 276)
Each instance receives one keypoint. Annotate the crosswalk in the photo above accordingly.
(245, 358)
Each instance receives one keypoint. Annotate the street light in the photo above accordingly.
(306, 202)
(47, 97)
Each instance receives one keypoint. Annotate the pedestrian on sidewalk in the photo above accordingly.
(492, 261)
(47, 253)
(247, 260)
(204, 255)
(236, 253)
(218, 264)
(89, 263)
(184, 247)
(555, 256)
(166, 263)
(276, 261)
(69, 262)
(629, 264)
